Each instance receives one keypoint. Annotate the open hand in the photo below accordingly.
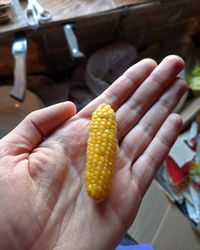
(44, 204)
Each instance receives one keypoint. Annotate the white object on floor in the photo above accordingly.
(180, 152)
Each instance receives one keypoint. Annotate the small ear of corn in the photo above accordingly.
(101, 152)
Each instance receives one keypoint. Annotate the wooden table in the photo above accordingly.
(65, 10)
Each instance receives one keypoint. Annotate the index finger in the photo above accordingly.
(123, 87)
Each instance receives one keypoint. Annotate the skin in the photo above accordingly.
(44, 204)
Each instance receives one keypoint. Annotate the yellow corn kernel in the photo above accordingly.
(101, 152)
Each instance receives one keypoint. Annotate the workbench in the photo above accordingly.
(96, 24)
(66, 10)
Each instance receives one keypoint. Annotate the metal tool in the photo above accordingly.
(19, 51)
(35, 14)
(72, 42)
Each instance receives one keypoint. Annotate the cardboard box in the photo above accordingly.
(160, 223)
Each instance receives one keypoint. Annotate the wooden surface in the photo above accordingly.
(162, 25)
(190, 111)
(64, 10)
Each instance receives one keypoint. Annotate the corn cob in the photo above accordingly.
(101, 152)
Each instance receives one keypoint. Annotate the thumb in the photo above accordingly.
(37, 126)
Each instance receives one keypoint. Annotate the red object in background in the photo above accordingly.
(177, 175)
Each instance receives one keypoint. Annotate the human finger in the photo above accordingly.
(139, 137)
(38, 125)
(123, 87)
(146, 166)
(164, 75)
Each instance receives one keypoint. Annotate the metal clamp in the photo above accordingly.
(72, 42)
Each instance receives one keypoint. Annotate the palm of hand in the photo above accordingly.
(57, 210)
(80, 214)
